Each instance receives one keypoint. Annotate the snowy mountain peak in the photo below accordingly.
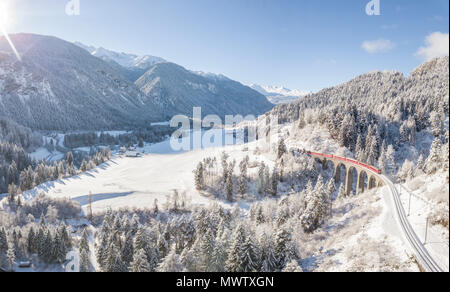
(278, 91)
(123, 59)
(279, 94)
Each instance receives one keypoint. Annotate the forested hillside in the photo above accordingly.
(377, 115)
(177, 90)
(60, 86)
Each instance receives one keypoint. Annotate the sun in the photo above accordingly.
(4, 17)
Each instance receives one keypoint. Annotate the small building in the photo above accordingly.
(132, 153)
(25, 264)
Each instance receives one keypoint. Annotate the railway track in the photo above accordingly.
(421, 253)
(423, 257)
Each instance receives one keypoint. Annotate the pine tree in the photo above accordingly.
(225, 170)
(12, 193)
(171, 263)
(140, 263)
(127, 250)
(301, 123)
(250, 258)
(84, 252)
(134, 224)
(199, 177)
(281, 149)
(66, 239)
(155, 207)
(69, 158)
(229, 187)
(47, 248)
(84, 242)
(140, 241)
(268, 258)
(235, 256)
(162, 245)
(114, 261)
(420, 164)
(359, 149)
(13, 173)
(282, 242)
(11, 257)
(436, 122)
(83, 166)
(58, 249)
(434, 158)
(84, 261)
(3, 244)
(219, 256)
(31, 241)
(267, 181)
(260, 218)
(282, 215)
(382, 159)
(390, 160)
(274, 181)
(207, 244)
(261, 178)
(102, 251)
(243, 179)
(316, 207)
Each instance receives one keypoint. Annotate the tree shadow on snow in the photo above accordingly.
(84, 200)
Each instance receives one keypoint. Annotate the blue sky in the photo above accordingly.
(305, 45)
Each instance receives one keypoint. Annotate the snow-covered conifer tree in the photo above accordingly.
(199, 177)
(434, 158)
(171, 263)
(140, 263)
(235, 256)
(11, 256)
(282, 244)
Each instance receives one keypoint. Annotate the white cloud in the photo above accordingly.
(378, 46)
(436, 45)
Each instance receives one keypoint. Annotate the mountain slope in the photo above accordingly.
(59, 86)
(178, 90)
(130, 65)
(389, 95)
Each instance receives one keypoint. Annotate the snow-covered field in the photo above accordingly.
(42, 153)
(137, 182)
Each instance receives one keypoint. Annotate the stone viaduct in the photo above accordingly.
(367, 176)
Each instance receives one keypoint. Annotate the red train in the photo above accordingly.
(369, 167)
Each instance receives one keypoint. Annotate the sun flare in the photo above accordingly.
(4, 16)
(4, 22)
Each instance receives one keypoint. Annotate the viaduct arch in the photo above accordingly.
(367, 176)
